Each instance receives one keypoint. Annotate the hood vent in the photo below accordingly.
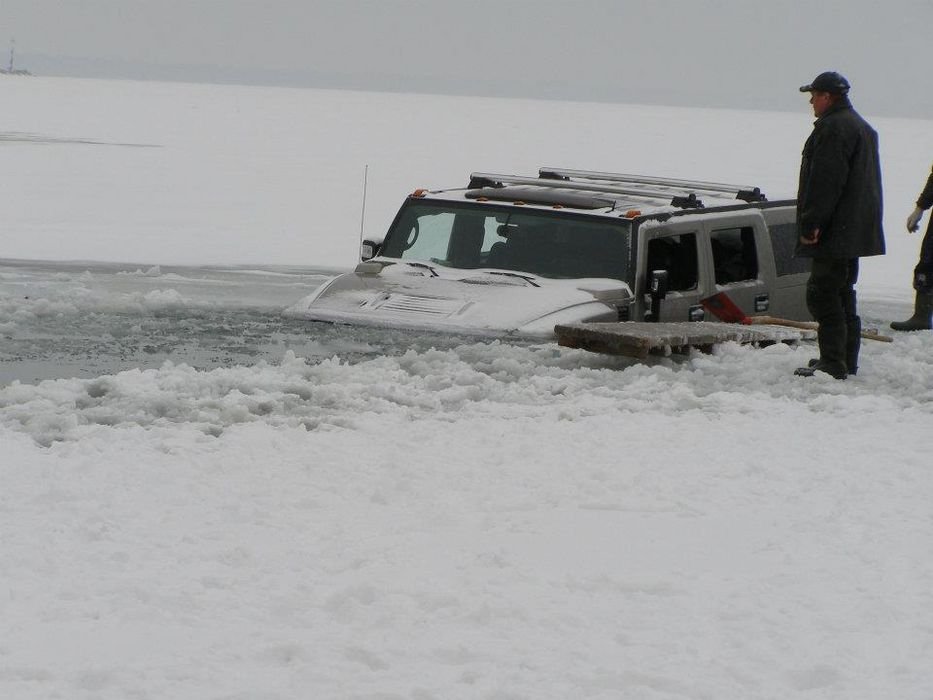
(408, 305)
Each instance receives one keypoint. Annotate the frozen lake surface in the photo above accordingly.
(205, 498)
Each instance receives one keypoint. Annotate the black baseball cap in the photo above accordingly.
(830, 81)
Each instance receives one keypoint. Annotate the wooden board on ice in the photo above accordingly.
(640, 339)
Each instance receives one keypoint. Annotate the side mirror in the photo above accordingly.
(369, 250)
(659, 283)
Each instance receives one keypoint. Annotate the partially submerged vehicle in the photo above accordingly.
(514, 256)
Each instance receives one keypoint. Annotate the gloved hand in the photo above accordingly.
(913, 221)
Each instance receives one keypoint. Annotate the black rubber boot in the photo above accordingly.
(853, 346)
(834, 369)
(921, 320)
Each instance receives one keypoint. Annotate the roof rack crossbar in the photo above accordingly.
(488, 178)
(748, 193)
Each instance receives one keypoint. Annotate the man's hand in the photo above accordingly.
(812, 238)
(913, 221)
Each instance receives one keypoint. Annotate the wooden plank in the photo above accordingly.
(640, 339)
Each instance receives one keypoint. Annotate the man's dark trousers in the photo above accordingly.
(831, 301)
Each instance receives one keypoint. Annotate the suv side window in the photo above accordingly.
(678, 255)
(734, 256)
(783, 243)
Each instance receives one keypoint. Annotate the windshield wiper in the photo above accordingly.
(529, 279)
(424, 265)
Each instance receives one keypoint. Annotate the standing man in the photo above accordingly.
(838, 218)
(923, 273)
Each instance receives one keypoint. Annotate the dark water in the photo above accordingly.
(62, 320)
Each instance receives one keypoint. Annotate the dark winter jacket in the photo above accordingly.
(840, 186)
(926, 197)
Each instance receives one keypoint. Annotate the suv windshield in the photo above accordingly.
(547, 243)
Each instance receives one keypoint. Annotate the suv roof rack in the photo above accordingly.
(680, 193)
(747, 193)
(682, 199)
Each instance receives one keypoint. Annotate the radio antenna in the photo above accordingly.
(363, 211)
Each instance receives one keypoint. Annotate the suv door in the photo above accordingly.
(738, 253)
(675, 247)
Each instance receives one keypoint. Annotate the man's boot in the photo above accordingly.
(921, 320)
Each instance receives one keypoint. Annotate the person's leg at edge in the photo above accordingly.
(923, 284)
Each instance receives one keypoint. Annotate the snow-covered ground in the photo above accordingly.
(202, 502)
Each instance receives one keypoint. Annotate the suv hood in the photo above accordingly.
(394, 294)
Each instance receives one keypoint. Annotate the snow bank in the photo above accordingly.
(542, 381)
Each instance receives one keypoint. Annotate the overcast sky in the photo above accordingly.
(735, 53)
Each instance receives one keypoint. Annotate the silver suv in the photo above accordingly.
(513, 255)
